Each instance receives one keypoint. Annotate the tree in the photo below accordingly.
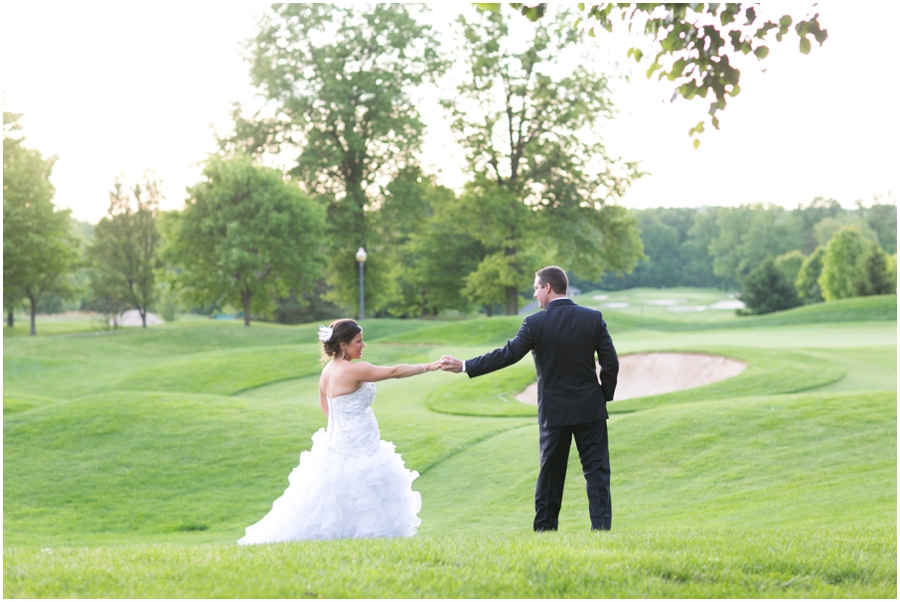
(445, 252)
(790, 263)
(882, 218)
(405, 215)
(748, 235)
(698, 263)
(337, 80)
(244, 237)
(725, 248)
(125, 246)
(810, 215)
(107, 296)
(691, 42)
(881, 277)
(828, 227)
(844, 265)
(807, 282)
(546, 186)
(767, 289)
(39, 250)
(662, 246)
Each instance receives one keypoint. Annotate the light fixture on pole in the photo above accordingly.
(361, 258)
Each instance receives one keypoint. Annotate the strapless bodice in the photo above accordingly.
(352, 427)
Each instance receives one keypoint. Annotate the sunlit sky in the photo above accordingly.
(117, 88)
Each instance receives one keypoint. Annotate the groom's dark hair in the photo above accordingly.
(555, 277)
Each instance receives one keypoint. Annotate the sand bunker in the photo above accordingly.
(666, 302)
(642, 374)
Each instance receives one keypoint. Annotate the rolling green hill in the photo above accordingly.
(133, 460)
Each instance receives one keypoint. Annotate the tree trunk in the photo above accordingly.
(143, 313)
(245, 299)
(33, 301)
(9, 318)
(512, 301)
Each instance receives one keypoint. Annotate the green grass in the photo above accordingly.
(867, 368)
(759, 461)
(768, 372)
(50, 325)
(493, 395)
(480, 331)
(859, 561)
(881, 308)
(133, 460)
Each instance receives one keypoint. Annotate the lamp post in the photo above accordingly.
(361, 258)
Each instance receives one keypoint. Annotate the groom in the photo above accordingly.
(571, 401)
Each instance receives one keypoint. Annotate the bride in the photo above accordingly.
(350, 484)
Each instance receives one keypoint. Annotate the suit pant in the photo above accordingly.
(592, 442)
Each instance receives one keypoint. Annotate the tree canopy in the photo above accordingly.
(844, 265)
(545, 185)
(338, 81)
(244, 237)
(123, 253)
(39, 249)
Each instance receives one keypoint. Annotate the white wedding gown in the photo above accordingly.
(350, 484)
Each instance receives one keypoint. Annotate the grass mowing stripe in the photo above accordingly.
(489, 395)
(15, 402)
(868, 368)
(850, 561)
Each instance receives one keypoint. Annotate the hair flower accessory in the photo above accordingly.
(325, 333)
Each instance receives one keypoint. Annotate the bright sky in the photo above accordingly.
(117, 88)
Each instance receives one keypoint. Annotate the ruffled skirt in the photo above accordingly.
(332, 496)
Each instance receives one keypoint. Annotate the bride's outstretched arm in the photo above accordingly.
(365, 372)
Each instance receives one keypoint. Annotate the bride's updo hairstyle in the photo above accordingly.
(342, 331)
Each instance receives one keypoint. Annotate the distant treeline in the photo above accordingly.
(720, 246)
(715, 247)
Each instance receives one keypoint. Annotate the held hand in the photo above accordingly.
(451, 364)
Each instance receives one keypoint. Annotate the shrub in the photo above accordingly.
(767, 289)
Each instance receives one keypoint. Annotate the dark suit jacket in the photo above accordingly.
(563, 340)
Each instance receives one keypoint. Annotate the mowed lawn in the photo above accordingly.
(133, 461)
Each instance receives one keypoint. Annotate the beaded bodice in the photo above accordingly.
(352, 428)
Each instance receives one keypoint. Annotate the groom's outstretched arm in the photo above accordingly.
(514, 350)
